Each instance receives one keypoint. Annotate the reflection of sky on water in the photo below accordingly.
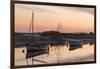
(58, 54)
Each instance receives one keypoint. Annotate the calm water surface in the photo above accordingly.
(57, 54)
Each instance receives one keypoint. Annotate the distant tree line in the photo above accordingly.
(56, 34)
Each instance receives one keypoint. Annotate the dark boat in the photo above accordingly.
(74, 44)
(37, 49)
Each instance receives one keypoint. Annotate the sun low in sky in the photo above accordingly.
(47, 18)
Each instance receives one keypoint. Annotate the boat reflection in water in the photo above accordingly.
(61, 53)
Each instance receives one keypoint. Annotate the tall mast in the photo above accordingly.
(32, 26)
(32, 30)
(59, 27)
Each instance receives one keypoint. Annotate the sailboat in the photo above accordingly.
(35, 49)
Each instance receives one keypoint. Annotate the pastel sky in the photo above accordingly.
(46, 18)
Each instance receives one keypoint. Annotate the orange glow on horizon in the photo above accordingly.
(71, 20)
